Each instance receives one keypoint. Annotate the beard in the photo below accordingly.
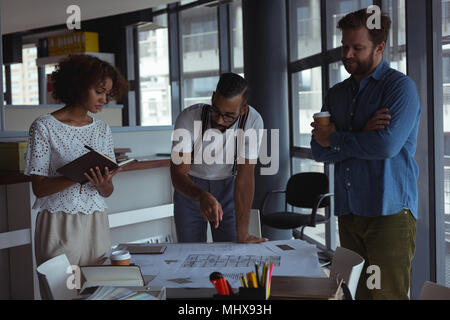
(221, 128)
(359, 67)
(218, 127)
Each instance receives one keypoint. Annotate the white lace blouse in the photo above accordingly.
(52, 144)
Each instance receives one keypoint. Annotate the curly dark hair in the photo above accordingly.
(77, 74)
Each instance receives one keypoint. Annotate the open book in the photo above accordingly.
(75, 170)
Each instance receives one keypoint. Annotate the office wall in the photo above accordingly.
(141, 189)
(144, 143)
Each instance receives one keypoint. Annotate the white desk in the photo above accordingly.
(189, 265)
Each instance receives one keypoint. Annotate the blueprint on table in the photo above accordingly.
(189, 264)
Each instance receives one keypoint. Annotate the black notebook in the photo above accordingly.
(75, 170)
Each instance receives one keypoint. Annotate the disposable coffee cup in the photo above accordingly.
(120, 258)
(322, 118)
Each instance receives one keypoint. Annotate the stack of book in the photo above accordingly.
(120, 154)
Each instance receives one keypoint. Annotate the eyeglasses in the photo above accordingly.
(216, 114)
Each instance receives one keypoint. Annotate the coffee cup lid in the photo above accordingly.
(322, 114)
(120, 255)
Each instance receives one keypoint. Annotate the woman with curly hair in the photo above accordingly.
(72, 219)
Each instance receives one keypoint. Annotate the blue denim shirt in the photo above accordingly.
(375, 172)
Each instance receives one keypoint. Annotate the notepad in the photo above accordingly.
(113, 276)
(75, 169)
(143, 248)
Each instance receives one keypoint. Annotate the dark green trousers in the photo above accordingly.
(387, 242)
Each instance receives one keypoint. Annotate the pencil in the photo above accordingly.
(269, 279)
(264, 276)
(245, 281)
(257, 273)
(242, 281)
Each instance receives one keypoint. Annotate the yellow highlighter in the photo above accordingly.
(251, 276)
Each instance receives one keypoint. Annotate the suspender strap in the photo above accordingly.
(242, 121)
(205, 118)
(205, 121)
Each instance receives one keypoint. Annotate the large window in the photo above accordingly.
(237, 41)
(305, 26)
(307, 100)
(446, 112)
(336, 10)
(395, 52)
(155, 97)
(180, 60)
(24, 78)
(200, 50)
(337, 73)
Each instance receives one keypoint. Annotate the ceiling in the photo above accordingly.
(23, 15)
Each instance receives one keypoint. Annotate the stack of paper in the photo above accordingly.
(115, 293)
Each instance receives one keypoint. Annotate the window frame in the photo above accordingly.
(175, 50)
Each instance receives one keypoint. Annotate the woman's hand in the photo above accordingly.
(103, 183)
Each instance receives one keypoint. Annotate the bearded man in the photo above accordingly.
(372, 140)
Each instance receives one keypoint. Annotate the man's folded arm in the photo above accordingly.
(326, 154)
(404, 108)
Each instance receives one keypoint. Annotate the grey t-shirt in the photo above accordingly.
(214, 157)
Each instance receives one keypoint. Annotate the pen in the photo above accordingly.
(264, 275)
(89, 148)
(257, 273)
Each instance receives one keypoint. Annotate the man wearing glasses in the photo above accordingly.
(219, 192)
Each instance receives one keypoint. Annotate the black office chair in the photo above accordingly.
(303, 190)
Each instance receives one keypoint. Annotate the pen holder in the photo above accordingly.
(244, 294)
(252, 293)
